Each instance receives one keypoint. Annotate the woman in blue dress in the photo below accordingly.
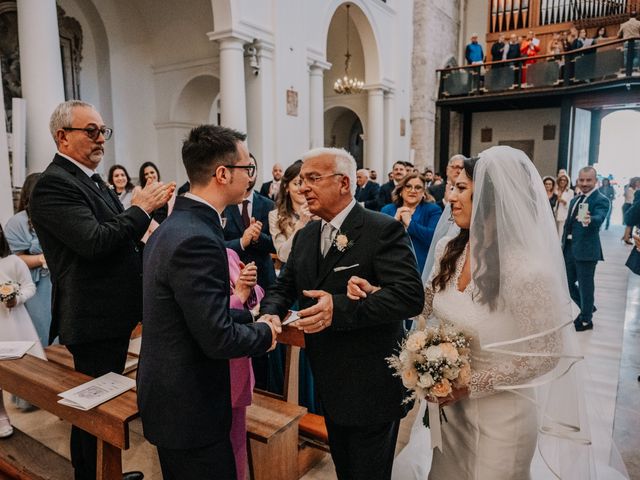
(416, 209)
(24, 243)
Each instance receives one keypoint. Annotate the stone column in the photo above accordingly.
(233, 106)
(391, 130)
(375, 136)
(41, 73)
(316, 103)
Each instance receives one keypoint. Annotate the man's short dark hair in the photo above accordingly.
(399, 162)
(206, 148)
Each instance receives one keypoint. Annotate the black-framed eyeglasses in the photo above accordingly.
(93, 131)
(312, 179)
(251, 169)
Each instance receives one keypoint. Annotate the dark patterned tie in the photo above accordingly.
(245, 213)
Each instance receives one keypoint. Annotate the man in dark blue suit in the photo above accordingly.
(397, 174)
(184, 392)
(581, 244)
(366, 191)
(247, 231)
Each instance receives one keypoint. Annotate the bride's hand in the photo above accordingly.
(456, 395)
(358, 288)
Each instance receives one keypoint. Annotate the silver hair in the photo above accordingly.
(364, 172)
(345, 164)
(459, 156)
(62, 116)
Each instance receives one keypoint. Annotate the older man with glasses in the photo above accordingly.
(348, 341)
(92, 246)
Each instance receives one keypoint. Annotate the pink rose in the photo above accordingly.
(442, 388)
(449, 352)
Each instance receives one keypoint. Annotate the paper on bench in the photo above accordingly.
(97, 391)
(13, 350)
(293, 316)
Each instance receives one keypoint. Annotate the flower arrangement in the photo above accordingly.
(8, 291)
(342, 242)
(432, 362)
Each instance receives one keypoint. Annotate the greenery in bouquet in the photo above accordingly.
(8, 291)
(432, 362)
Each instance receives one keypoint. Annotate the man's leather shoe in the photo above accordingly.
(582, 326)
(133, 475)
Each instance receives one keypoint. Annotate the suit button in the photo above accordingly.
(136, 249)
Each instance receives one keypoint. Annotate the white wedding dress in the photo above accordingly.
(493, 434)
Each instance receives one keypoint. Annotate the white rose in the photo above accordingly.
(449, 352)
(433, 353)
(409, 377)
(451, 372)
(416, 341)
(406, 357)
(426, 381)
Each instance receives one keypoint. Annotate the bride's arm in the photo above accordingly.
(531, 309)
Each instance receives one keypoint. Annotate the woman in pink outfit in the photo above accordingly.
(245, 293)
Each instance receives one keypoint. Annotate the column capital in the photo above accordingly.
(317, 65)
(265, 49)
(230, 36)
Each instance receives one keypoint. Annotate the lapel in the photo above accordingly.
(352, 228)
(309, 252)
(232, 213)
(256, 209)
(90, 184)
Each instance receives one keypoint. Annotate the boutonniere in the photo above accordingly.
(342, 242)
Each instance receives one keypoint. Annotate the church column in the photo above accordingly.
(233, 106)
(41, 73)
(391, 130)
(375, 136)
(316, 103)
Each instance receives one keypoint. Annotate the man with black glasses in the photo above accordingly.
(92, 248)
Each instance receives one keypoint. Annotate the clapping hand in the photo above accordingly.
(246, 281)
(252, 233)
(358, 288)
(276, 328)
(317, 317)
(153, 196)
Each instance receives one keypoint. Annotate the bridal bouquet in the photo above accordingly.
(431, 363)
(8, 291)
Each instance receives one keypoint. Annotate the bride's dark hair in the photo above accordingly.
(487, 279)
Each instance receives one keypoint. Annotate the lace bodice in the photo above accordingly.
(527, 310)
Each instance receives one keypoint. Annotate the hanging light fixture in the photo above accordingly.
(347, 85)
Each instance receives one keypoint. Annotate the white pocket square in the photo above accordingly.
(340, 269)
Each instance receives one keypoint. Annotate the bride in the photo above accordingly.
(501, 280)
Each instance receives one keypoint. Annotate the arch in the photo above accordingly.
(195, 101)
(368, 32)
(344, 129)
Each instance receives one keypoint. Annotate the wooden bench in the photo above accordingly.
(39, 382)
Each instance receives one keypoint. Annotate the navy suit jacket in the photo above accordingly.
(384, 194)
(265, 188)
(348, 359)
(259, 252)
(368, 195)
(421, 229)
(184, 392)
(585, 244)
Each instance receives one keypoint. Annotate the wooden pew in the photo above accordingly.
(39, 382)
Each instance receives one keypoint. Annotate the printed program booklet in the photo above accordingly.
(14, 350)
(97, 391)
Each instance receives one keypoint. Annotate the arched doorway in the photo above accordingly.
(343, 129)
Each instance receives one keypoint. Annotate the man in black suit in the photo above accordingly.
(581, 244)
(366, 191)
(271, 189)
(397, 174)
(92, 248)
(189, 332)
(247, 231)
(454, 167)
(348, 341)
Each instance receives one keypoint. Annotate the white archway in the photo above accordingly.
(344, 128)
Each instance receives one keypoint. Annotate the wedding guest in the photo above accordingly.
(24, 243)
(148, 174)
(473, 53)
(366, 190)
(513, 48)
(15, 323)
(245, 295)
(291, 213)
(439, 190)
(550, 188)
(373, 176)
(629, 193)
(92, 250)
(386, 190)
(271, 188)
(498, 49)
(530, 47)
(416, 209)
(608, 191)
(120, 180)
(565, 194)
(428, 177)
(600, 37)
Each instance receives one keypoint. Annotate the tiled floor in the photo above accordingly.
(618, 300)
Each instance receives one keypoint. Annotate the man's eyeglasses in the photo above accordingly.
(93, 131)
(313, 179)
(415, 188)
(251, 169)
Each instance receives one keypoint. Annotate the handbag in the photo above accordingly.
(633, 262)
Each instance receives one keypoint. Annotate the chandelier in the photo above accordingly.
(347, 85)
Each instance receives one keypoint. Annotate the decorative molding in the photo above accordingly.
(167, 125)
(174, 67)
(230, 33)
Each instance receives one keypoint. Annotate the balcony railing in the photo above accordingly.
(603, 62)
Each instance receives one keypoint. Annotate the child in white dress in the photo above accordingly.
(15, 323)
